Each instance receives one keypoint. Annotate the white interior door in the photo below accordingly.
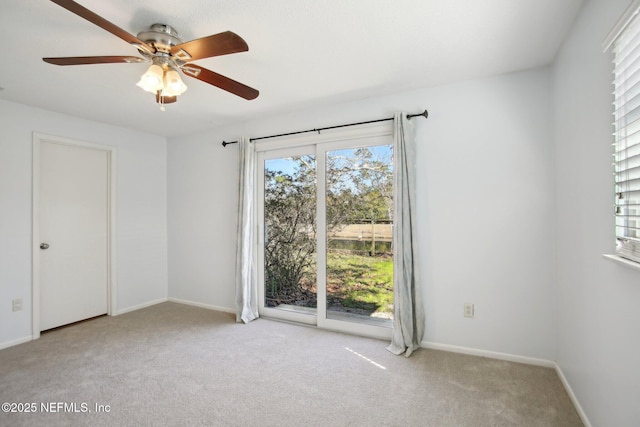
(73, 229)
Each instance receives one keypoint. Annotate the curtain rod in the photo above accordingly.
(424, 114)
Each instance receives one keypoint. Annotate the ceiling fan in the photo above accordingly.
(161, 46)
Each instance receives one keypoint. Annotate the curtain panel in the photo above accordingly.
(408, 322)
(246, 260)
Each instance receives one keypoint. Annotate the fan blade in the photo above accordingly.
(206, 47)
(84, 60)
(218, 80)
(90, 16)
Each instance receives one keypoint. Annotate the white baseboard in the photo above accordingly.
(518, 359)
(139, 306)
(201, 305)
(490, 354)
(22, 340)
(572, 396)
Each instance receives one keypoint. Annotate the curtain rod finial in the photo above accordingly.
(424, 114)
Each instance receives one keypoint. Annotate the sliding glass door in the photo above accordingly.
(287, 211)
(359, 223)
(326, 250)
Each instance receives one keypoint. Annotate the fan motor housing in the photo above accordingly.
(161, 36)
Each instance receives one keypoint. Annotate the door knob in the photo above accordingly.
(44, 246)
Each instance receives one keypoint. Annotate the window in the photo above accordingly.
(626, 50)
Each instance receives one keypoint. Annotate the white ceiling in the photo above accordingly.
(302, 53)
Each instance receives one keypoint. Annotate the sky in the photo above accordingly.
(287, 165)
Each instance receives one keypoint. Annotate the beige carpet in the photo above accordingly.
(176, 365)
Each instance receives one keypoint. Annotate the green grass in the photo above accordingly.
(361, 282)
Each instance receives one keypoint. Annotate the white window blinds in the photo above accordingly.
(627, 140)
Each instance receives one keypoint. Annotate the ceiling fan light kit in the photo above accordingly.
(173, 84)
(162, 77)
(151, 81)
(167, 53)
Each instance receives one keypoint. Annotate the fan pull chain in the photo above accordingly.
(162, 107)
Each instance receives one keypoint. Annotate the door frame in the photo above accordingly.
(309, 318)
(324, 322)
(317, 144)
(38, 139)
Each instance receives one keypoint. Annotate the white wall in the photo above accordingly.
(485, 208)
(141, 210)
(598, 317)
(202, 209)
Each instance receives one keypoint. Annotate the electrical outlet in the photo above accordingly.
(17, 304)
(468, 310)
